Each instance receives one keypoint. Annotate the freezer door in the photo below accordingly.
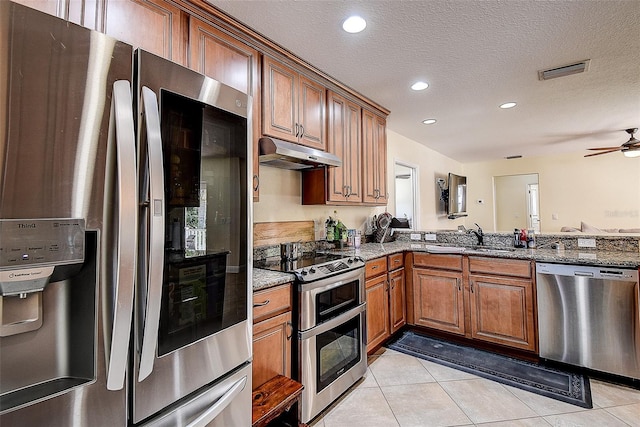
(224, 404)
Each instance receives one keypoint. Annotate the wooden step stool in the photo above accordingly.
(274, 398)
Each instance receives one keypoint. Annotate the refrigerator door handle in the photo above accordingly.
(127, 220)
(214, 410)
(150, 110)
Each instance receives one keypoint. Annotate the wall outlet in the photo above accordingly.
(586, 243)
(430, 237)
(415, 236)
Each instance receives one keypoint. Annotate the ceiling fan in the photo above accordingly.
(631, 148)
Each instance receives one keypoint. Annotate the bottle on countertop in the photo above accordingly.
(531, 239)
(331, 228)
(516, 238)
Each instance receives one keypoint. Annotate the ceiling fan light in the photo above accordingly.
(632, 152)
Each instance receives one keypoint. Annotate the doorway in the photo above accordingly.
(516, 202)
(406, 192)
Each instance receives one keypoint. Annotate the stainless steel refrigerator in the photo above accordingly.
(125, 234)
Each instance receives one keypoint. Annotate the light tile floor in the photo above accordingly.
(402, 390)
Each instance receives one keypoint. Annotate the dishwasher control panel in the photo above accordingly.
(593, 272)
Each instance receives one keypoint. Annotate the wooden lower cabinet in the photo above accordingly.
(272, 334)
(439, 300)
(377, 294)
(386, 298)
(481, 298)
(501, 311)
(271, 348)
(397, 292)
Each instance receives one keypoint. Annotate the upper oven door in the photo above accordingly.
(325, 299)
(192, 313)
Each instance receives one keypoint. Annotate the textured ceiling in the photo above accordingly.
(475, 55)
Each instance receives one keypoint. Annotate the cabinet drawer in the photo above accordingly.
(375, 267)
(501, 266)
(447, 262)
(270, 302)
(396, 261)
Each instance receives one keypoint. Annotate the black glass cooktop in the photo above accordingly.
(307, 260)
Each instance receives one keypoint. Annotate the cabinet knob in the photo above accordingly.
(256, 180)
(290, 334)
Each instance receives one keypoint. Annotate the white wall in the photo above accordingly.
(430, 165)
(603, 191)
(281, 200)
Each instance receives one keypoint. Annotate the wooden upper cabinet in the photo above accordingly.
(374, 158)
(345, 183)
(232, 62)
(153, 25)
(293, 106)
(50, 7)
(338, 185)
(81, 12)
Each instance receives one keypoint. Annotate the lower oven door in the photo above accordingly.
(332, 358)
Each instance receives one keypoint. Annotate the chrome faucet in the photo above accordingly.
(479, 234)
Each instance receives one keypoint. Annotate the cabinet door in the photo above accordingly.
(502, 311)
(343, 140)
(271, 348)
(280, 95)
(153, 25)
(397, 300)
(438, 300)
(311, 114)
(230, 61)
(374, 158)
(377, 311)
(81, 12)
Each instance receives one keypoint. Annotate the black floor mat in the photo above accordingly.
(547, 381)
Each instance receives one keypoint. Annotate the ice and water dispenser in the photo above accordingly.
(48, 294)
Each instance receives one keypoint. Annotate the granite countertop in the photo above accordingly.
(263, 279)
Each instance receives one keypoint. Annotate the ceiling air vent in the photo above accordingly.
(565, 70)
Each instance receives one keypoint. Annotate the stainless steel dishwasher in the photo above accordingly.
(588, 316)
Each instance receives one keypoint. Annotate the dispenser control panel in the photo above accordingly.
(28, 242)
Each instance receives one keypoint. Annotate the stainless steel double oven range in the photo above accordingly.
(330, 355)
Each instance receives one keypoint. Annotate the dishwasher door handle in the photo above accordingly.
(583, 274)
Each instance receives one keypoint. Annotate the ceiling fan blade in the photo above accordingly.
(602, 152)
(606, 148)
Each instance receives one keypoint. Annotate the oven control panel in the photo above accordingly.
(318, 271)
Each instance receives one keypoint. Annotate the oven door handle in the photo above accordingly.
(330, 324)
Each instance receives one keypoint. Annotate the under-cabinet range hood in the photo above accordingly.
(286, 155)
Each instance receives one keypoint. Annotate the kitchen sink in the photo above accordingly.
(491, 248)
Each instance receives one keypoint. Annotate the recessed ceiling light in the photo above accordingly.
(508, 105)
(419, 85)
(429, 121)
(354, 24)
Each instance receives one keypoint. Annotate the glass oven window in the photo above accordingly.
(337, 350)
(205, 271)
(334, 302)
